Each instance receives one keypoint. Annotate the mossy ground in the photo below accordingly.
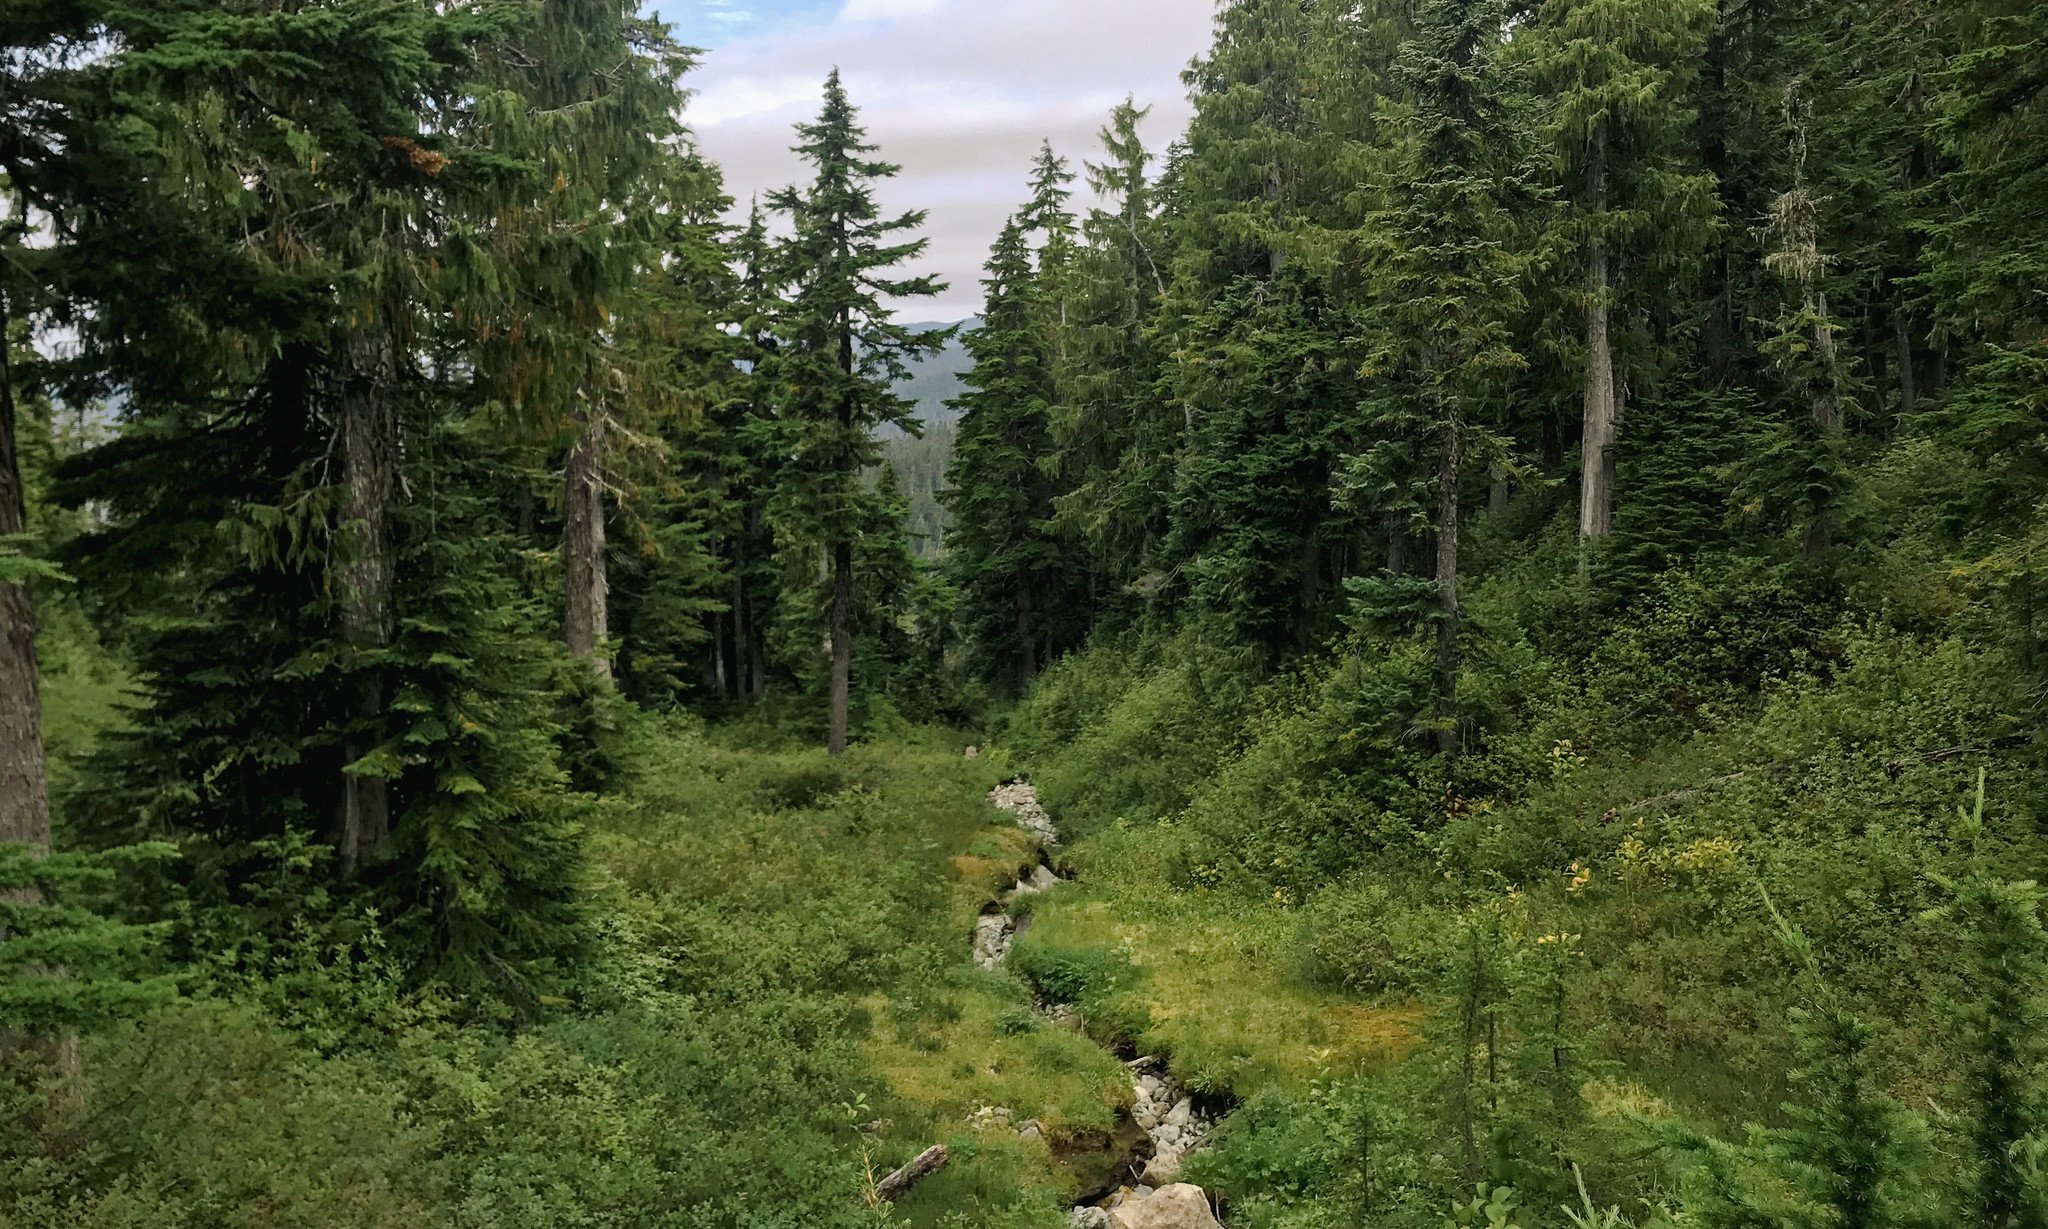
(1209, 979)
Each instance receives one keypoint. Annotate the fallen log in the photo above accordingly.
(921, 1166)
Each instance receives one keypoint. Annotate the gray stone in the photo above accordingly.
(1088, 1218)
(1172, 1207)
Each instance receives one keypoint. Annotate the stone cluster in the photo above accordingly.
(1161, 1107)
(1020, 798)
(997, 1118)
(1167, 1113)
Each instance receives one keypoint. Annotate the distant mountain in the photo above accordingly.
(921, 463)
(936, 380)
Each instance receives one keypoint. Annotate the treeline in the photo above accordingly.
(433, 405)
(1533, 512)
(1671, 278)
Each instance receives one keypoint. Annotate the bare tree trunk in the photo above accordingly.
(24, 789)
(1397, 546)
(1496, 493)
(369, 459)
(1449, 465)
(842, 644)
(1596, 464)
(586, 618)
(920, 1167)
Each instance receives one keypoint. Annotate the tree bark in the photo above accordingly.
(922, 1166)
(842, 558)
(586, 617)
(1450, 463)
(24, 788)
(1596, 468)
(369, 460)
(1496, 493)
(842, 644)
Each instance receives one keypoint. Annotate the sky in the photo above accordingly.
(960, 92)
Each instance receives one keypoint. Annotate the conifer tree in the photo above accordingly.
(839, 356)
(336, 651)
(1445, 276)
(1260, 371)
(1619, 74)
(2003, 1034)
(594, 136)
(1115, 436)
(1006, 562)
(24, 788)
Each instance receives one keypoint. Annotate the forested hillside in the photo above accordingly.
(1509, 551)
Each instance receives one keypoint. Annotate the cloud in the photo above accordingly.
(889, 10)
(960, 92)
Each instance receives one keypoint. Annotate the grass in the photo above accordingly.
(761, 872)
(1206, 978)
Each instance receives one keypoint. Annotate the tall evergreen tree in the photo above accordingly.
(1619, 74)
(334, 651)
(1445, 274)
(1006, 562)
(593, 132)
(841, 353)
(1114, 434)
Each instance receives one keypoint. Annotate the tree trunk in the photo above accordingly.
(1596, 471)
(586, 620)
(922, 1166)
(24, 789)
(1496, 493)
(1827, 424)
(369, 461)
(1027, 647)
(1397, 546)
(842, 644)
(1447, 507)
(842, 559)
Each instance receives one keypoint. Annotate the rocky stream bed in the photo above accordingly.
(1163, 1126)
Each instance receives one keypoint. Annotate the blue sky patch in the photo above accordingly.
(713, 23)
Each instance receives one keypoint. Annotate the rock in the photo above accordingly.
(1141, 1192)
(992, 939)
(1164, 1167)
(1030, 1131)
(1021, 800)
(1150, 1083)
(1043, 878)
(972, 753)
(1088, 1218)
(1178, 1116)
(1146, 1114)
(1172, 1207)
(1167, 1134)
